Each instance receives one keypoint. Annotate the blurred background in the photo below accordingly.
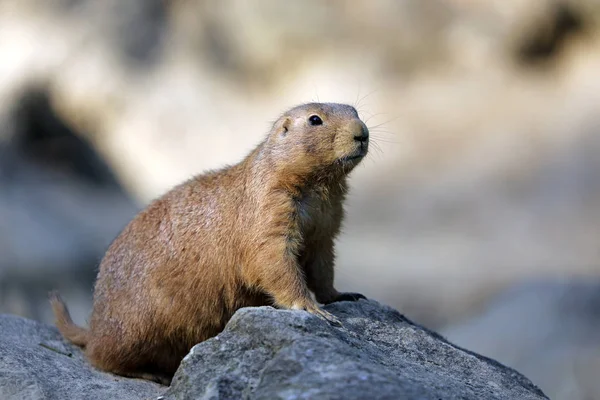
(477, 212)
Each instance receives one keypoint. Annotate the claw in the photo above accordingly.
(349, 296)
(332, 319)
(327, 316)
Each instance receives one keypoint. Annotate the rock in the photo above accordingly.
(266, 353)
(60, 207)
(548, 330)
(36, 364)
(378, 354)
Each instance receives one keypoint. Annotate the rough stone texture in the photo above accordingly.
(378, 354)
(266, 353)
(546, 329)
(36, 364)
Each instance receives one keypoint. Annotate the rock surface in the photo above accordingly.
(266, 353)
(378, 354)
(36, 364)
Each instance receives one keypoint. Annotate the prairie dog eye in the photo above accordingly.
(315, 120)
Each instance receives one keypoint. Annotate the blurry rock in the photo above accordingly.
(548, 37)
(60, 206)
(548, 330)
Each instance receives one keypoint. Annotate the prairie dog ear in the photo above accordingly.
(283, 125)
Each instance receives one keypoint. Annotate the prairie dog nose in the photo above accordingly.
(359, 130)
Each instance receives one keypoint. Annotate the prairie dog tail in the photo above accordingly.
(73, 333)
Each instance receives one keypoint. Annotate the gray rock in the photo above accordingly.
(36, 364)
(266, 353)
(60, 207)
(378, 354)
(548, 330)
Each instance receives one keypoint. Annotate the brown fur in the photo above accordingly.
(260, 232)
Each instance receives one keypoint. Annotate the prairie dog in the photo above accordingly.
(260, 232)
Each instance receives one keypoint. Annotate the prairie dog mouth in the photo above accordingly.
(355, 156)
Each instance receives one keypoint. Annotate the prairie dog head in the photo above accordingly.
(318, 138)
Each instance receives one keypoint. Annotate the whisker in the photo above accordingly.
(387, 137)
(379, 152)
(377, 148)
(377, 126)
(382, 133)
(386, 141)
(370, 117)
(316, 92)
(357, 96)
(358, 104)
